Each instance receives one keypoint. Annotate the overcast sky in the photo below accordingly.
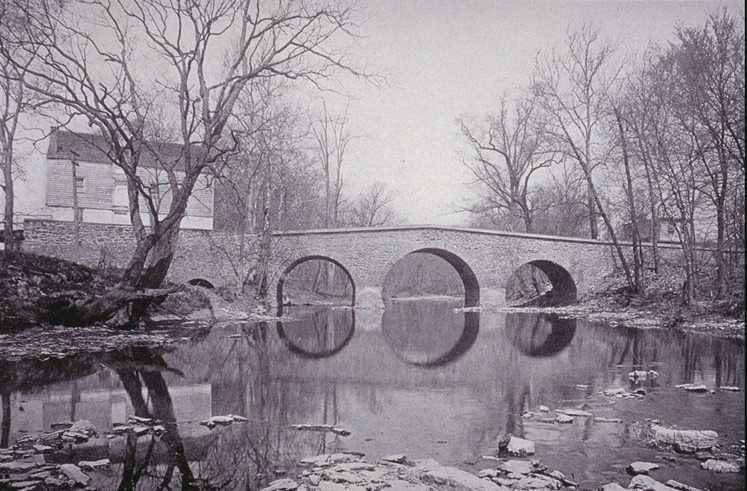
(449, 58)
(446, 59)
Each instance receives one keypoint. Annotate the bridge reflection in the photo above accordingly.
(370, 386)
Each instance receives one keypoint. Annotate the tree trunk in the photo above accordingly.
(8, 237)
(590, 203)
(636, 238)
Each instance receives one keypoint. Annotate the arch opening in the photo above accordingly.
(201, 283)
(431, 271)
(314, 281)
(540, 283)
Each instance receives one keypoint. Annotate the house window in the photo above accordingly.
(80, 183)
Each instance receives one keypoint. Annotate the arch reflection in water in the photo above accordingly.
(539, 334)
(429, 333)
(317, 332)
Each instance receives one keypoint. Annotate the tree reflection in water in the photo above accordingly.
(135, 367)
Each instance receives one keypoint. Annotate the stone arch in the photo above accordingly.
(303, 259)
(201, 282)
(465, 272)
(564, 290)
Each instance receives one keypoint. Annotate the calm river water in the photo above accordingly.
(421, 379)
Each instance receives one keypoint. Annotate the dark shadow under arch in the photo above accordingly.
(564, 291)
(401, 318)
(468, 277)
(539, 335)
(317, 321)
(289, 268)
(201, 282)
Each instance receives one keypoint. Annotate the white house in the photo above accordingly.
(77, 169)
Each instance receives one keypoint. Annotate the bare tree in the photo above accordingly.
(709, 63)
(91, 67)
(15, 101)
(574, 89)
(332, 138)
(507, 155)
(373, 207)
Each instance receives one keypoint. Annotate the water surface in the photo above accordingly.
(420, 379)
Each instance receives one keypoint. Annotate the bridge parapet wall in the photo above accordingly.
(200, 253)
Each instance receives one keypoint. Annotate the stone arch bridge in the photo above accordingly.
(484, 259)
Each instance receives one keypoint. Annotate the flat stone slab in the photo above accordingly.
(282, 485)
(520, 446)
(688, 441)
(716, 465)
(647, 483)
(639, 467)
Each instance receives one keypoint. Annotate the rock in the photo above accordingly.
(83, 426)
(639, 375)
(42, 448)
(544, 409)
(330, 428)
(73, 472)
(682, 487)
(281, 485)
(563, 418)
(516, 466)
(140, 420)
(452, 478)
(16, 466)
(696, 388)
(326, 460)
(612, 486)
(599, 419)
(646, 483)
(61, 425)
(520, 447)
(333, 486)
(574, 412)
(640, 391)
(716, 465)
(614, 392)
(239, 419)
(537, 481)
(642, 467)
(687, 441)
(94, 464)
(729, 388)
(213, 421)
(488, 473)
(396, 459)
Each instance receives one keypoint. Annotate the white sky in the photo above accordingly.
(446, 59)
(449, 58)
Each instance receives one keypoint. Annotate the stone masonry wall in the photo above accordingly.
(200, 253)
(367, 254)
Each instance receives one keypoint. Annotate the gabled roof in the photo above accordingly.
(88, 147)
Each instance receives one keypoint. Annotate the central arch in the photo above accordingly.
(463, 270)
(292, 265)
